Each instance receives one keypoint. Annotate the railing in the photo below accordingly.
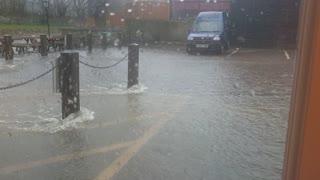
(67, 75)
(59, 42)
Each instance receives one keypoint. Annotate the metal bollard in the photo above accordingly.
(69, 75)
(8, 49)
(104, 41)
(44, 45)
(69, 41)
(89, 37)
(133, 65)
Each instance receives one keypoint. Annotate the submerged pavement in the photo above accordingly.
(192, 117)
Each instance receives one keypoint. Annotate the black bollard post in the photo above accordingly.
(69, 41)
(69, 75)
(133, 65)
(104, 41)
(44, 45)
(8, 49)
(89, 41)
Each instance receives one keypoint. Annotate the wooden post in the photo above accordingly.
(89, 41)
(302, 157)
(8, 50)
(69, 41)
(104, 41)
(44, 45)
(69, 75)
(133, 65)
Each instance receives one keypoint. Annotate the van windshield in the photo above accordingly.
(207, 26)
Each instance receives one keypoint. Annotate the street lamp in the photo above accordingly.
(104, 12)
(46, 5)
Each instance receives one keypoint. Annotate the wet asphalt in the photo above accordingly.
(221, 117)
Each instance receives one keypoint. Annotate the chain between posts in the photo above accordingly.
(50, 70)
(28, 81)
(104, 67)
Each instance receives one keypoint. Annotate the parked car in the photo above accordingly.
(209, 33)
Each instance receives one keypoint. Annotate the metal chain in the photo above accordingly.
(50, 70)
(104, 67)
(27, 82)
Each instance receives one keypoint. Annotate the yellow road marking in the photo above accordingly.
(121, 161)
(112, 123)
(64, 157)
(115, 166)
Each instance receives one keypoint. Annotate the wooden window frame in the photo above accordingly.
(306, 48)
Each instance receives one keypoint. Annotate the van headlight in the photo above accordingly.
(216, 38)
(190, 38)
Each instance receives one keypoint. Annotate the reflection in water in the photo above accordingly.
(73, 141)
(135, 105)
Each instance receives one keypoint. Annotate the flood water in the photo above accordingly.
(192, 117)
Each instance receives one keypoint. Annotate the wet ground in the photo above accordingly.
(192, 117)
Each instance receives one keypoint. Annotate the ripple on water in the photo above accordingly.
(115, 89)
(51, 124)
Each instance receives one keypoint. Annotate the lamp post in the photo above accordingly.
(106, 6)
(46, 4)
(171, 9)
(103, 17)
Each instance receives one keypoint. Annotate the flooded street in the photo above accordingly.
(192, 117)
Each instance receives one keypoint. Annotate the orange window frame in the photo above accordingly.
(302, 156)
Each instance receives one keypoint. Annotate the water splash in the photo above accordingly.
(11, 67)
(53, 125)
(115, 89)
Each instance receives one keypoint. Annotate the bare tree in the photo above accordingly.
(19, 8)
(4, 7)
(12, 7)
(99, 9)
(80, 8)
(61, 7)
(45, 6)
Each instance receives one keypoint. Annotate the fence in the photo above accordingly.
(66, 69)
(164, 11)
(148, 10)
(8, 44)
(184, 10)
(143, 10)
(266, 23)
(85, 38)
